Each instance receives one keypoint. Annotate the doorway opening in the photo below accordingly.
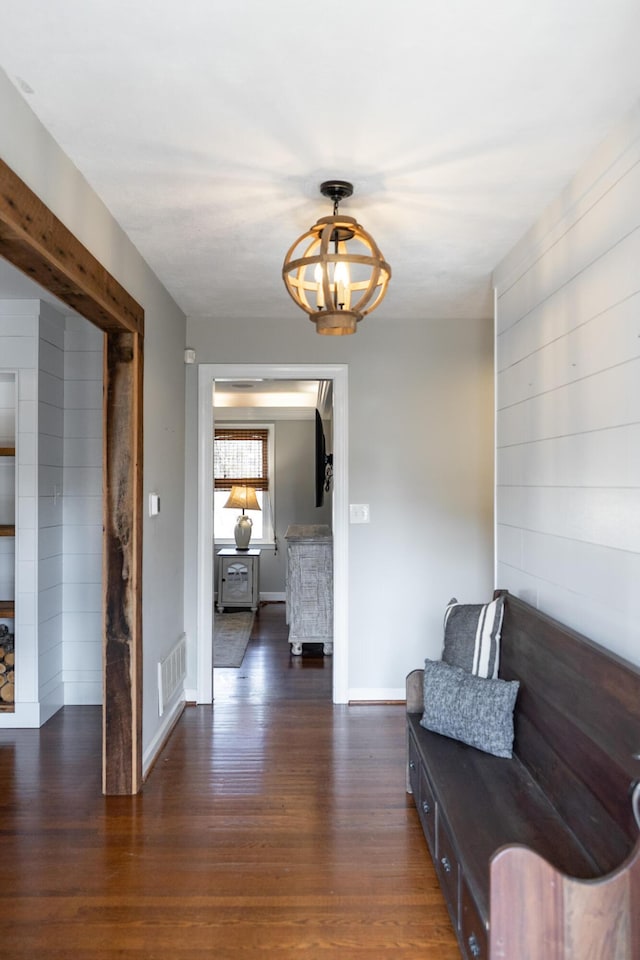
(272, 453)
(208, 376)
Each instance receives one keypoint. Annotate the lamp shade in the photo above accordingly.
(243, 498)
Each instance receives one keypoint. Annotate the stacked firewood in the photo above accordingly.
(7, 661)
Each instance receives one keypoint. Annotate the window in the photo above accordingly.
(243, 455)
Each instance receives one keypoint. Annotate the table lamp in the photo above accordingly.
(243, 498)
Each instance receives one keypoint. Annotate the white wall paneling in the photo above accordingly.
(82, 537)
(59, 514)
(50, 428)
(607, 340)
(608, 457)
(568, 403)
(19, 325)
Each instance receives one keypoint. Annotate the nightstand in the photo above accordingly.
(238, 578)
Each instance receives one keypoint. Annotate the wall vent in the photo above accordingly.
(171, 672)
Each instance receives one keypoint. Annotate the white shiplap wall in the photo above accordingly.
(50, 428)
(568, 403)
(56, 364)
(19, 321)
(82, 512)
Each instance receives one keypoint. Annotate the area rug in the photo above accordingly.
(231, 632)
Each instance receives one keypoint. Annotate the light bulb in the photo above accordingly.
(342, 279)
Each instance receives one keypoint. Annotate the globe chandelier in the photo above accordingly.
(335, 271)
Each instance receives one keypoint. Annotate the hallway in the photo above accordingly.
(274, 824)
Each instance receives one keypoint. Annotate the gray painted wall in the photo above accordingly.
(420, 454)
(420, 429)
(34, 155)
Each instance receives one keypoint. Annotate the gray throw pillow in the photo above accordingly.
(472, 636)
(475, 710)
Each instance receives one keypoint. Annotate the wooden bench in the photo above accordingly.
(539, 856)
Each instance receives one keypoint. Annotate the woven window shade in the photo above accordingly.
(241, 457)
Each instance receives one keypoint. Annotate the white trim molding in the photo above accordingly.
(377, 695)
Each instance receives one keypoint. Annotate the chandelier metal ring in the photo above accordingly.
(335, 271)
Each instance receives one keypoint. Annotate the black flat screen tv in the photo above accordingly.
(322, 464)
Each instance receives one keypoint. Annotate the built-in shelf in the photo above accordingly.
(9, 443)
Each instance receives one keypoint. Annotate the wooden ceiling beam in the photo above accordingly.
(36, 242)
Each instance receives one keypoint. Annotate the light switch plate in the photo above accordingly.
(359, 512)
(154, 504)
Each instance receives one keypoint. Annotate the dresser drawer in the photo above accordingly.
(414, 770)
(473, 933)
(447, 867)
(427, 810)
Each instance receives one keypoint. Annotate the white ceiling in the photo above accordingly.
(248, 398)
(207, 126)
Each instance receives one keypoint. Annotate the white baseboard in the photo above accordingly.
(25, 715)
(375, 694)
(268, 597)
(83, 693)
(169, 719)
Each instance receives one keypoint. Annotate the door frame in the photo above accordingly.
(33, 239)
(339, 375)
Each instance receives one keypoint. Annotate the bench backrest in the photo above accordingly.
(577, 726)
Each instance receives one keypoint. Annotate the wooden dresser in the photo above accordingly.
(309, 586)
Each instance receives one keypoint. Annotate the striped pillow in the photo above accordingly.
(472, 636)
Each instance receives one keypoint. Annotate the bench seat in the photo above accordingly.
(538, 856)
(506, 806)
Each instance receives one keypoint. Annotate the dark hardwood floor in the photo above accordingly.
(273, 825)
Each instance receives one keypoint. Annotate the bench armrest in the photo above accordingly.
(572, 918)
(415, 691)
